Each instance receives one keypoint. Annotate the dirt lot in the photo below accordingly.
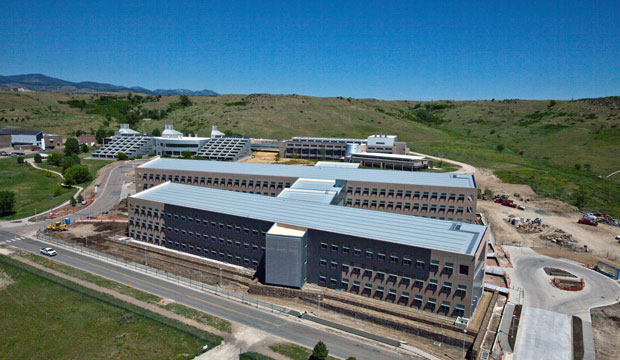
(556, 214)
(269, 157)
(605, 325)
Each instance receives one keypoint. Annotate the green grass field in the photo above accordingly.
(198, 316)
(294, 351)
(43, 320)
(31, 187)
(561, 148)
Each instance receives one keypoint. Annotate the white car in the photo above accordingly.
(48, 251)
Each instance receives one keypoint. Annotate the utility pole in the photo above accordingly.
(319, 296)
(145, 263)
(220, 277)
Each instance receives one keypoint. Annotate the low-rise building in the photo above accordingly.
(52, 141)
(88, 139)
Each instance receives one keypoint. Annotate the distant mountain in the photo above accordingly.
(40, 82)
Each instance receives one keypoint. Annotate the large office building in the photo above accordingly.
(301, 237)
(441, 196)
(340, 148)
(24, 138)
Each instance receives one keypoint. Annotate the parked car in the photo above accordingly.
(48, 251)
(4, 153)
(587, 222)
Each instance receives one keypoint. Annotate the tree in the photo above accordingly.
(7, 201)
(551, 103)
(73, 201)
(37, 158)
(577, 167)
(68, 162)
(319, 352)
(100, 135)
(186, 154)
(76, 174)
(84, 148)
(277, 158)
(185, 101)
(500, 147)
(121, 156)
(55, 159)
(78, 133)
(72, 146)
(20, 159)
(156, 132)
(351, 358)
(80, 198)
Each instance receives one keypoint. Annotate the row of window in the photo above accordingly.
(392, 294)
(216, 224)
(394, 258)
(203, 180)
(408, 194)
(451, 209)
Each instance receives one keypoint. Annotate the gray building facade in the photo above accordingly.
(428, 264)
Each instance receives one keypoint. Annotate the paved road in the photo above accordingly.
(107, 197)
(288, 328)
(529, 275)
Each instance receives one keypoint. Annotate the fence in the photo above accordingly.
(212, 340)
(170, 276)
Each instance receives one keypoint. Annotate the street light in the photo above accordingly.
(319, 296)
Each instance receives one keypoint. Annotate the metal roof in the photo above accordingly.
(382, 226)
(323, 197)
(315, 172)
(337, 164)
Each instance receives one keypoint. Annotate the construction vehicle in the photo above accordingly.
(57, 226)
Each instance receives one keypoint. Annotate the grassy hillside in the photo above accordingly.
(559, 147)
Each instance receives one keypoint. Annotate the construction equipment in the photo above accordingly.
(57, 226)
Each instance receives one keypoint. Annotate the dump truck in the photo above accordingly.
(57, 226)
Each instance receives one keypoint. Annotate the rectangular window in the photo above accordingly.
(369, 254)
(345, 249)
(335, 247)
(323, 262)
(334, 265)
(464, 270)
(393, 259)
(323, 246)
(406, 261)
(357, 252)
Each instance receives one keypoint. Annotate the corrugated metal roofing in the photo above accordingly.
(403, 229)
(316, 172)
(323, 197)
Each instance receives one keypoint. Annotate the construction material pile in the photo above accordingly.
(557, 236)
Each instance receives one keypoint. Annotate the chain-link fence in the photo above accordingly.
(169, 276)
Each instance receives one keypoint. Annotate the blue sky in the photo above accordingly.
(417, 50)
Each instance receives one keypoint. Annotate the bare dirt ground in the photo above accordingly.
(269, 157)
(5, 279)
(605, 325)
(600, 240)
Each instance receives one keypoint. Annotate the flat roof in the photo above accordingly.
(392, 156)
(408, 230)
(337, 164)
(315, 172)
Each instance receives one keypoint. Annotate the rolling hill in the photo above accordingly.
(40, 82)
(563, 149)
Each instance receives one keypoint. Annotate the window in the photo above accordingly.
(381, 256)
(368, 272)
(322, 280)
(333, 282)
(461, 289)
(344, 284)
(407, 261)
(464, 270)
(345, 268)
(334, 265)
(448, 268)
(432, 283)
(405, 281)
(334, 247)
(345, 249)
(393, 277)
(447, 286)
(434, 266)
(323, 262)
(369, 254)
(357, 252)
(393, 259)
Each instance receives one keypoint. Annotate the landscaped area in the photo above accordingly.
(44, 320)
(32, 188)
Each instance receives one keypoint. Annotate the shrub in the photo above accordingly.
(55, 159)
(38, 159)
(121, 156)
(500, 147)
(319, 352)
(77, 174)
(20, 159)
(7, 201)
(84, 148)
(72, 146)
